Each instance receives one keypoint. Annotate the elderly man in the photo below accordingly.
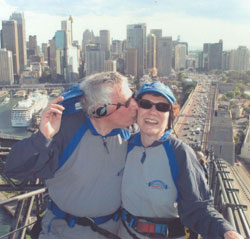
(81, 154)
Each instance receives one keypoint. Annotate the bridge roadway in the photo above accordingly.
(239, 172)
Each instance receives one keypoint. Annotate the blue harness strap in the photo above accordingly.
(72, 220)
(72, 145)
(172, 162)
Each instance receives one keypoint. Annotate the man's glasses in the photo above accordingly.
(147, 104)
(126, 104)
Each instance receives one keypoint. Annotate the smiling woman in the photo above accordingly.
(163, 187)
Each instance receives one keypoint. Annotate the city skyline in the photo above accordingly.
(195, 23)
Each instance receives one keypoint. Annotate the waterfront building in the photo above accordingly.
(136, 39)
(10, 42)
(6, 67)
(19, 18)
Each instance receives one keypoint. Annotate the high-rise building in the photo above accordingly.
(110, 65)
(212, 55)
(180, 57)
(6, 67)
(94, 59)
(60, 38)
(105, 42)
(10, 42)
(32, 46)
(136, 39)
(131, 62)
(68, 28)
(45, 51)
(242, 59)
(19, 18)
(156, 32)
(164, 57)
(151, 51)
(88, 37)
(116, 47)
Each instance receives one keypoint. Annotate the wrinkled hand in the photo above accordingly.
(232, 235)
(51, 118)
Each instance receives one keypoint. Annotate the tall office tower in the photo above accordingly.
(105, 42)
(52, 57)
(156, 32)
(6, 67)
(151, 51)
(225, 64)
(19, 18)
(136, 39)
(164, 58)
(67, 27)
(116, 48)
(60, 38)
(180, 57)
(10, 42)
(110, 65)
(158, 35)
(45, 51)
(32, 46)
(212, 55)
(94, 59)
(131, 62)
(88, 37)
(242, 59)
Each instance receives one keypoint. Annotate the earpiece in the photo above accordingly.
(100, 111)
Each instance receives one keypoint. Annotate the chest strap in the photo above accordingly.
(92, 222)
(152, 227)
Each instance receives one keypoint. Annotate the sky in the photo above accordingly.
(195, 22)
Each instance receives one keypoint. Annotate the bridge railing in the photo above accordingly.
(226, 196)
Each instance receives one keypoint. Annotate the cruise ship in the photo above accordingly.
(21, 114)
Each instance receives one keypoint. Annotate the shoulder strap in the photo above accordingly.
(72, 145)
(172, 162)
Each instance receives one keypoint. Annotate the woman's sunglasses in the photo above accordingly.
(147, 104)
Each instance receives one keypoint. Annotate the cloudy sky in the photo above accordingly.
(196, 22)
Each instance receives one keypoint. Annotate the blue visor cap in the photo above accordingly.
(157, 88)
(71, 101)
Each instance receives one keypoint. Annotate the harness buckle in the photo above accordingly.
(152, 229)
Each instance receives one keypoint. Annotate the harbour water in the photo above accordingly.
(6, 128)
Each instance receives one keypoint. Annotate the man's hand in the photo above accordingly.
(51, 118)
(232, 235)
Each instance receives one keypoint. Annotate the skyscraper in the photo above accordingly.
(151, 51)
(131, 62)
(19, 18)
(6, 67)
(94, 59)
(136, 39)
(105, 42)
(212, 55)
(180, 57)
(10, 42)
(164, 57)
(67, 27)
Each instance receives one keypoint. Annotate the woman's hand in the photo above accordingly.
(232, 235)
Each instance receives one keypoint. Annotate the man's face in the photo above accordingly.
(123, 116)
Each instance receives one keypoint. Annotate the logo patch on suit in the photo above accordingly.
(158, 184)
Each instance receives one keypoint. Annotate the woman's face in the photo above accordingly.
(152, 122)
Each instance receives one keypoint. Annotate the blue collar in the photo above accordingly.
(136, 140)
